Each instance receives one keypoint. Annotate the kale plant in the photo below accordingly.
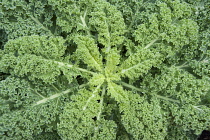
(104, 69)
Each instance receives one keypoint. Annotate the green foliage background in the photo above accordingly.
(104, 69)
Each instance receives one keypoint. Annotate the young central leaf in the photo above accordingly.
(88, 51)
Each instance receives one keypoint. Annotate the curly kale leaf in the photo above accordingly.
(30, 108)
